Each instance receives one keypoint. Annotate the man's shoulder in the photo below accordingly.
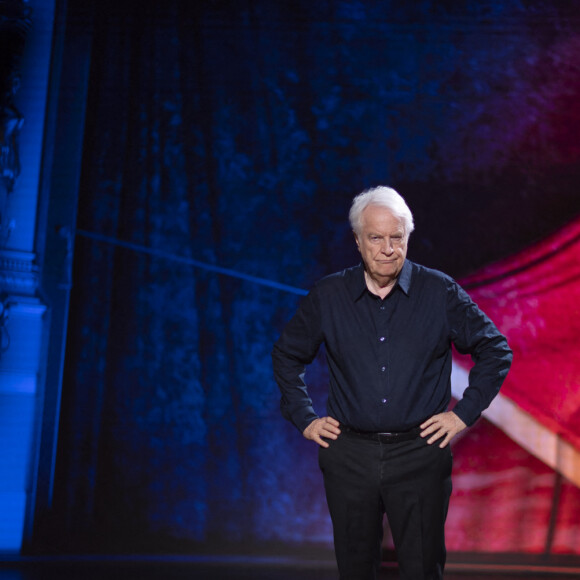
(349, 278)
(427, 271)
(430, 276)
(346, 274)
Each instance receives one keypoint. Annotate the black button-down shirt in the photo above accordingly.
(389, 360)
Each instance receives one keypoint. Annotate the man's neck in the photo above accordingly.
(379, 287)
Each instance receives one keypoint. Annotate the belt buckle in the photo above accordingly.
(388, 437)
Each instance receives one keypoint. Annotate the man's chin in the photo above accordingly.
(388, 269)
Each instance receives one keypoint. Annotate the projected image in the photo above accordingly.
(222, 148)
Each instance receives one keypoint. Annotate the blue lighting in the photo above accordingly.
(191, 262)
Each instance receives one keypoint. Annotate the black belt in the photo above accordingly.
(383, 437)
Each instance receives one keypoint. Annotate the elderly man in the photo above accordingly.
(388, 326)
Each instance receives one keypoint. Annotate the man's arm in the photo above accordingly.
(474, 333)
(292, 352)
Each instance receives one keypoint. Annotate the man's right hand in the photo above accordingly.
(324, 427)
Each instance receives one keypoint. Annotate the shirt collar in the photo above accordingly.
(358, 286)
(404, 281)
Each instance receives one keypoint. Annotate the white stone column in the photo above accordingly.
(22, 310)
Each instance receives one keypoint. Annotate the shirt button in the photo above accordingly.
(383, 369)
(382, 339)
(384, 401)
(382, 307)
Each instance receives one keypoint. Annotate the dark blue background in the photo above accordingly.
(235, 134)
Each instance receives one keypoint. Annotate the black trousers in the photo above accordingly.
(410, 481)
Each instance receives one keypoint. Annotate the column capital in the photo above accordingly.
(18, 272)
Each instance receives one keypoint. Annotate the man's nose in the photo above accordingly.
(387, 246)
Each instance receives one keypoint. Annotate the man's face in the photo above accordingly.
(382, 243)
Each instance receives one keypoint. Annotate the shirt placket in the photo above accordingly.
(383, 366)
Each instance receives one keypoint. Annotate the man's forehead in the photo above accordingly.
(379, 214)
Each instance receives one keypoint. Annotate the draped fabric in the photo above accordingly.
(223, 144)
(534, 297)
(170, 425)
(506, 501)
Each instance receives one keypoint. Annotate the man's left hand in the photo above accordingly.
(445, 425)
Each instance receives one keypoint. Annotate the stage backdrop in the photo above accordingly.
(224, 142)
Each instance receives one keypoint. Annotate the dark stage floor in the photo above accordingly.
(178, 569)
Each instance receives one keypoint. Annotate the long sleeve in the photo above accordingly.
(474, 333)
(294, 350)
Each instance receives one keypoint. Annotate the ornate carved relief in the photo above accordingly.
(15, 21)
(18, 274)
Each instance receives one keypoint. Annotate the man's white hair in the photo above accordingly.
(382, 196)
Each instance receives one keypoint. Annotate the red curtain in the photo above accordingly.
(506, 500)
(534, 298)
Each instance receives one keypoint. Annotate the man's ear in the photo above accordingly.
(356, 240)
